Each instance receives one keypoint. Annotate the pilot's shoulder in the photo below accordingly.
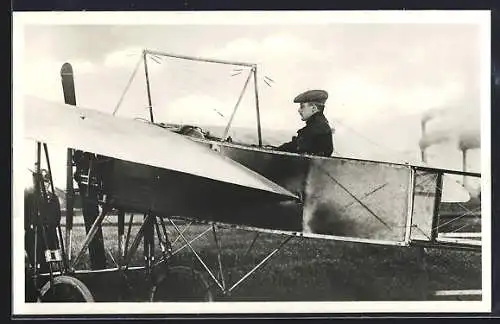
(321, 126)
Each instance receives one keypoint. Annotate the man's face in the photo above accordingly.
(306, 110)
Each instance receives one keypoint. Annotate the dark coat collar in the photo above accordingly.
(315, 118)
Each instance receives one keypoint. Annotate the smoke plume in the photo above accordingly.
(469, 140)
(431, 113)
(434, 138)
(459, 126)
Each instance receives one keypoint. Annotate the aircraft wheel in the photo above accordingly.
(65, 289)
(181, 284)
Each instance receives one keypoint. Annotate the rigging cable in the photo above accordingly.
(400, 153)
(127, 86)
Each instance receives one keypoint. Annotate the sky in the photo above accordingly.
(382, 79)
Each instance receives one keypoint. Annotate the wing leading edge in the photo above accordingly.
(135, 141)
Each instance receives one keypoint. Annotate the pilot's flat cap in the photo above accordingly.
(312, 96)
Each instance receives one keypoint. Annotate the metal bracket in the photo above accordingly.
(53, 256)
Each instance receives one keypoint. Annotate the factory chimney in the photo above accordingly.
(422, 148)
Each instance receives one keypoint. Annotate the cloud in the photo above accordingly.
(356, 98)
(195, 109)
(42, 78)
(291, 61)
(276, 48)
(83, 66)
(287, 45)
(127, 57)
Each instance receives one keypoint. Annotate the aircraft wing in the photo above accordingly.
(135, 141)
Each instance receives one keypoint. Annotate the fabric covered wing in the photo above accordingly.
(135, 141)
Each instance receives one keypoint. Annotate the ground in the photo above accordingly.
(304, 270)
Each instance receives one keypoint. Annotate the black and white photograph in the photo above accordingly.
(251, 162)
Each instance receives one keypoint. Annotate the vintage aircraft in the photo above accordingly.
(154, 169)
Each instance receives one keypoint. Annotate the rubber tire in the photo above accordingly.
(178, 279)
(84, 294)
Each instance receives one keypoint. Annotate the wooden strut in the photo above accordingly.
(437, 203)
(148, 88)
(259, 130)
(209, 60)
(132, 76)
(226, 131)
(194, 58)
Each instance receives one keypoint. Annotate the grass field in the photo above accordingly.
(304, 270)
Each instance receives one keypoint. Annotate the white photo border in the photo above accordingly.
(21, 19)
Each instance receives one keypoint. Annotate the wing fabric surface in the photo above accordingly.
(135, 141)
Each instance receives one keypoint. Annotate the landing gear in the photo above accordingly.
(45, 253)
(65, 289)
(181, 284)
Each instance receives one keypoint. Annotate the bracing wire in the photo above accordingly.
(226, 131)
(400, 153)
(158, 58)
(185, 68)
(466, 211)
(127, 86)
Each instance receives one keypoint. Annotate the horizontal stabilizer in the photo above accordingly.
(135, 141)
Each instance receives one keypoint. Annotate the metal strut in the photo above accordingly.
(183, 231)
(40, 196)
(137, 240)
(184, 246)
(219, 257)
(58, 225)
(261, 263)
(222, 284)
(90, 236)
(197, 256)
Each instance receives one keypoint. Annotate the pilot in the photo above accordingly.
(316, 137)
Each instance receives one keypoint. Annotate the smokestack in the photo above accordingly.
(464, 166)
(468, 139)
(426, 140)
(422, 148)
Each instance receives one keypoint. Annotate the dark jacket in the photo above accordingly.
(315, 138)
